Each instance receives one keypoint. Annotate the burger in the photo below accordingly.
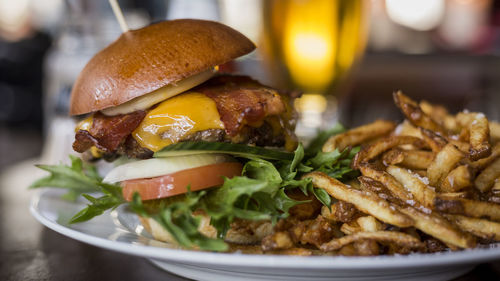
(155, 103)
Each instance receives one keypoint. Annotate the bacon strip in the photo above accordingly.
(107, 132)
(241, 101)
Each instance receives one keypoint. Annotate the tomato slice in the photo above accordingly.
(177, 183)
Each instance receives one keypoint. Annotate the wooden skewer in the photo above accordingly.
(119, 15)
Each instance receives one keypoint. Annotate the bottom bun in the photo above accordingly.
(241, 232)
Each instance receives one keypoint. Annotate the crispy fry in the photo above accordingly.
(395, 187)
(486, 179)
(414, 113)
(467, 207)
(443, 163)
(482, 228)
(440, 115)
(369, 223)
(436, 112)
(458, 179)
(407, 129)
(496, 186)
(393, 157)
(340, 212)
(411, 159)
(359, 135)
(438, 227)
(479, 137)
(350, 228)
(366, 248)
(395, 237)
(435, 141)
(365, 201)
(411, 182)
(379, 188)
(417, 159)
(461, 145)
(483, 163)
(277, 241)
(368, 153)
(348, 250)
(494, 131)
(454, 195)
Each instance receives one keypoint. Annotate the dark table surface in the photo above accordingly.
(30, 251)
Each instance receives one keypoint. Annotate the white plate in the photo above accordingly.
(120, 231)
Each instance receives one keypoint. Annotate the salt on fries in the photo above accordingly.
(434, 179)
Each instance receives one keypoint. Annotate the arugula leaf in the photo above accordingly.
(322, 196)
(326, 158)
(96, 208)
(297, 158)
(78, 179)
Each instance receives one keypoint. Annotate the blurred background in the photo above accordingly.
(347, 57)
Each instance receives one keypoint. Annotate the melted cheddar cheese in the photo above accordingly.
(176, 118)
(85, 124)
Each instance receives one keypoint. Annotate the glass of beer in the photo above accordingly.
(311, 45)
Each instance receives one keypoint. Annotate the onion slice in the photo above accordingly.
(162, 166)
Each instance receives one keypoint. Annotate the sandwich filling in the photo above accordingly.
(226, 108)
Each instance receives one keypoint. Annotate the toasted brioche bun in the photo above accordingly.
(144, 60)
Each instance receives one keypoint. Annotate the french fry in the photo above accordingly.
(443, 163)
(411, 159)
(486, 179)
(467, 207)
(458, 179)
(417, 159)
(436, 112)
(453, 195)
(395, 187)
(440, 228)
(483, 163)
(366, 248)
(407, 129)
(461, 145)
(435, 141)
(464, 118)
(482, 228)
(348, 250)
(494, 131)
(420, 191)
(350, 228)
(440, 115)
(365, 201)
(393, 157)
(394, 237)
(414, 113)
(378, 188)
(479, 137)
(358, 135)
(496, 186)
(369, 223)
(368, 153)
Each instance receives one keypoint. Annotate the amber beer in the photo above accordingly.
(311, 44)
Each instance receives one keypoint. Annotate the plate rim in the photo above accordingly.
(468, 256)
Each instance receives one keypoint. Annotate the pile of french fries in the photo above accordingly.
(431, 183)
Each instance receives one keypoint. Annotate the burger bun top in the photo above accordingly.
(141, 61)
